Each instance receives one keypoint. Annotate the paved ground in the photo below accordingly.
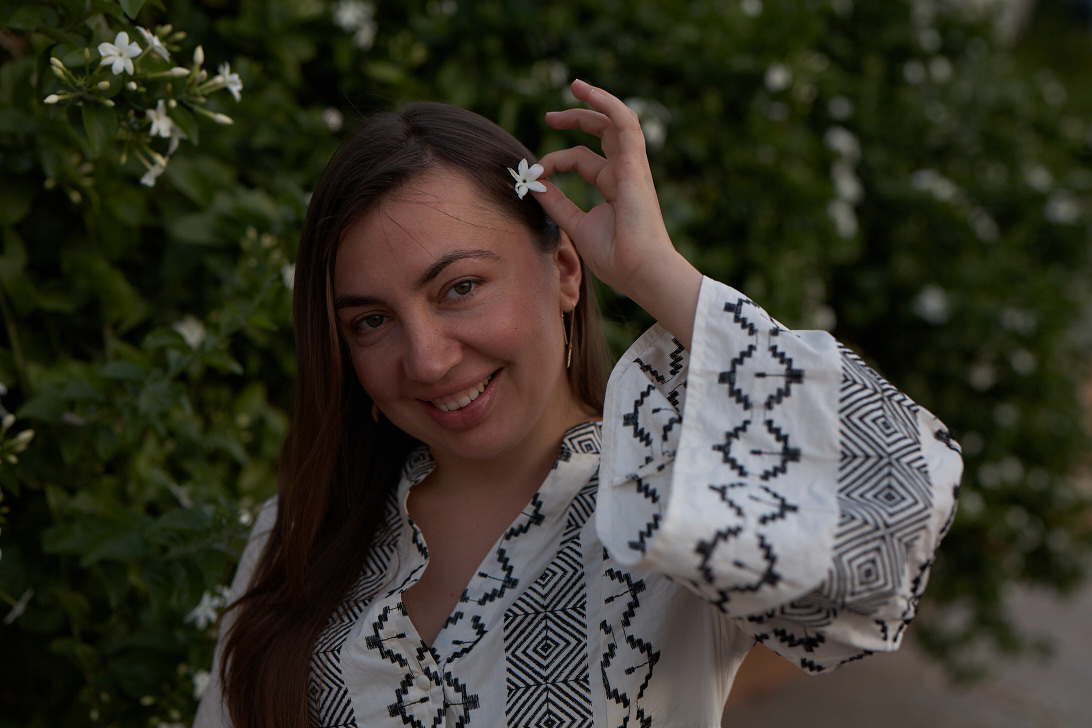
(906, 689)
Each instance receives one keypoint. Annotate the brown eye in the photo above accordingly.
(463, 288)
(371, 321)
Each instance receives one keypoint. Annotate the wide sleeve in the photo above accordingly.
(776, 475)
(211, 712)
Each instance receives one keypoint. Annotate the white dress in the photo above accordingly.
(768, 487)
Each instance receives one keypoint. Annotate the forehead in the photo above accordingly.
(414, 227)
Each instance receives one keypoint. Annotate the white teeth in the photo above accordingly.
(462, 399)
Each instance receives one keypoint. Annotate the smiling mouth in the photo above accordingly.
(462, 399)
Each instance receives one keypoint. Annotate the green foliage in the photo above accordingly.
(880, 169)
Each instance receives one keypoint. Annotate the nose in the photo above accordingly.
(432, 350)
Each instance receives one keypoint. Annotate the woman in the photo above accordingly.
(459, 541)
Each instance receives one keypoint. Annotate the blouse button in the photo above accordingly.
(423, 682)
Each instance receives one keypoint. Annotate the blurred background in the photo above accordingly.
(913, 176)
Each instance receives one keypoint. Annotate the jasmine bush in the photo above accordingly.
(879, 169)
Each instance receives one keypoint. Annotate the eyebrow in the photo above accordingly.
(350, 300)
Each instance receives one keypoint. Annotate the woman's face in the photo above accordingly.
(452, 318)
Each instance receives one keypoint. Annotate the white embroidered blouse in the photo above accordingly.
(768, 487)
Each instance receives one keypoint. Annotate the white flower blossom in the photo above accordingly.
(176, 135)
(154, 44)
(333, 119)
(1039, 177)
(161, 122)
(192, 330)
(778, 77)
(149, 177)
(840, 108)
(931, 304)
(231, 81)
(751, 8)
(350, 14)
(206, 611)
(119, 54)
(914, 72)
(357, 17)
(936, 184)
(365, 36)
(527, 178)
(940, 68)
(844, 217)
(846, 183)
(1062, 208)
(842, 141)
(201, 680)
(19, 607)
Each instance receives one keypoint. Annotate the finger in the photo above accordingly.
(623, 118)
(560, 208)
(587, 120)
(580, 159)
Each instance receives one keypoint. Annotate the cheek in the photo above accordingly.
(373, 375)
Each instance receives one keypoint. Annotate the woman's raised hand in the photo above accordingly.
(623, 239)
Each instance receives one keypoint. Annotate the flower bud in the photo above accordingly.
(198, 55)
(131, 86)
(56, 62)
(202, 75)
(103, 85)
(178, 72)
(52, 99)
(222, 119)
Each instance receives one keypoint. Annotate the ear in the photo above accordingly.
(569, 272)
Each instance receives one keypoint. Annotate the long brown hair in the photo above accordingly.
(338, 465)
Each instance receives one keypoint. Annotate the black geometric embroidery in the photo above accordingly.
(545, 630)
(756, 460)
(626, 654)
(329, 704)
(633, 419)
(885, 503)
(731, 377)
(545, 647)
(678, 359)
(586, 438)
(737, 310)
(790, 375)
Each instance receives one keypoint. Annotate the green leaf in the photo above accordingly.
(120, 547)
(131, 7)
(223, 361)
(15, 198)
(32, 18)
(101, 124)
(123, 370)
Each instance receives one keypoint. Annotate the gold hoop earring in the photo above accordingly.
(569, 338)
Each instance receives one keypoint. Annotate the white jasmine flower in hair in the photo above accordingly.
(161, 123)
(527, 178)
(119, 54)
(154, 44)
(231, 81)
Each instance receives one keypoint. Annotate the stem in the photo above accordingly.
(13, 337)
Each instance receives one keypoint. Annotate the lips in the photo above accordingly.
(461, 399)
